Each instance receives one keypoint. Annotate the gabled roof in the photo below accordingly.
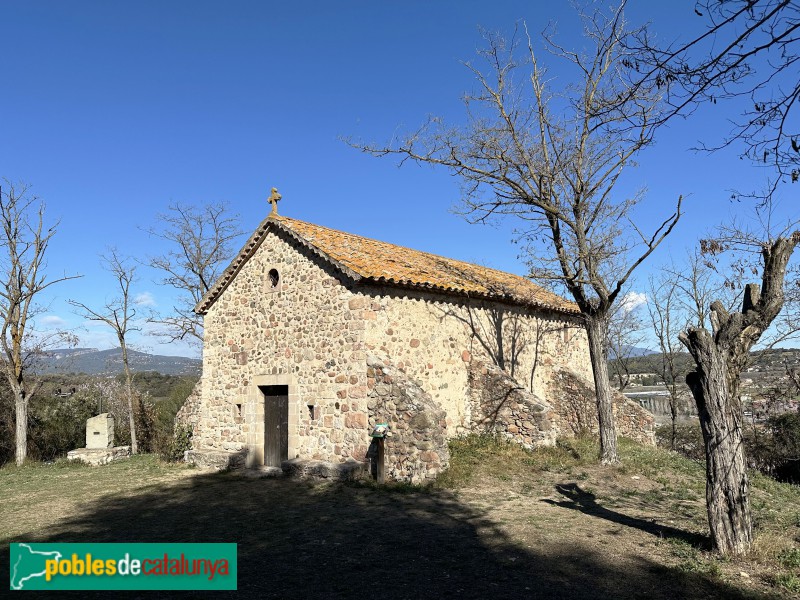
(367, 261)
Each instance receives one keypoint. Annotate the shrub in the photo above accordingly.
(785, 430)
(181, 442)
(688, 440)
(57, 425)
(775, 448)
(787, 581)
(172, 440)
(790, 558)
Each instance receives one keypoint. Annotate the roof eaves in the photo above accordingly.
(568, 308)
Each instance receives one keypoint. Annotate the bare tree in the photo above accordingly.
(25, 239)
(119, 314)
(695, 301)
(625, 331)
(666, 318)
(749, 52)
(720, 355)
(698, 283)
(110, 395)
(551, 159)
(201, 239)
(681, 295)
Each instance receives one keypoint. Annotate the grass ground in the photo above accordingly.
(501, 523)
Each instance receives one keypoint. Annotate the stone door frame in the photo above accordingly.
(254, 417)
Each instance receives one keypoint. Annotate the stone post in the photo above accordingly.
(100, 431)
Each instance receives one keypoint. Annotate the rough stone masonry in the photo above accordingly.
(353, 332)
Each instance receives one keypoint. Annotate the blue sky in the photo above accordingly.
(111, 111)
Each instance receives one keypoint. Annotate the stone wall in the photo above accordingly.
(191, 411)
(305, 333)
(433, 338)
(573, 397)
(311, 333)
(215, 459)
(417, 449)
(99, 456)
(498, 404)
(660, 405)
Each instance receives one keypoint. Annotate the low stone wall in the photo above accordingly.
(215, 459)
(417, 449)
(190, 413)
(348, 470)
(221, 460)
(498, 404)
(575, 400)
(99, 456)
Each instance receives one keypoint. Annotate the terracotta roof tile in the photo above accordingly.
(372, 261)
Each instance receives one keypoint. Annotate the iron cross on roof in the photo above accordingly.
(274, 196)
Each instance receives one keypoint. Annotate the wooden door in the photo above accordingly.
(276, 424)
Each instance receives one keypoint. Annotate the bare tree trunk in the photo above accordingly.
(21, 403)
(24, 242)
(715, 390)
(129, 394)
(673, 410)
(719, 357)
(119, 314)
(132, 421)
(597, 332)
(673, 403)
(553, 168)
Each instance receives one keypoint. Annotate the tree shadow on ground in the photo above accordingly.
(586, 502)
(297, 540)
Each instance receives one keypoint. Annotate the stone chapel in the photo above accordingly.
(313, 336)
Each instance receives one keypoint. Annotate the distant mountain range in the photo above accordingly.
(109, 362)
(632, 351)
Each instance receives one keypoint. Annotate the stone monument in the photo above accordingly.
(100, 431)
(100, 447)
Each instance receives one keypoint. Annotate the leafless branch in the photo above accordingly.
(119, 314)
(25, 239)
(550, 158)
(749, 53)
(201, 240)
